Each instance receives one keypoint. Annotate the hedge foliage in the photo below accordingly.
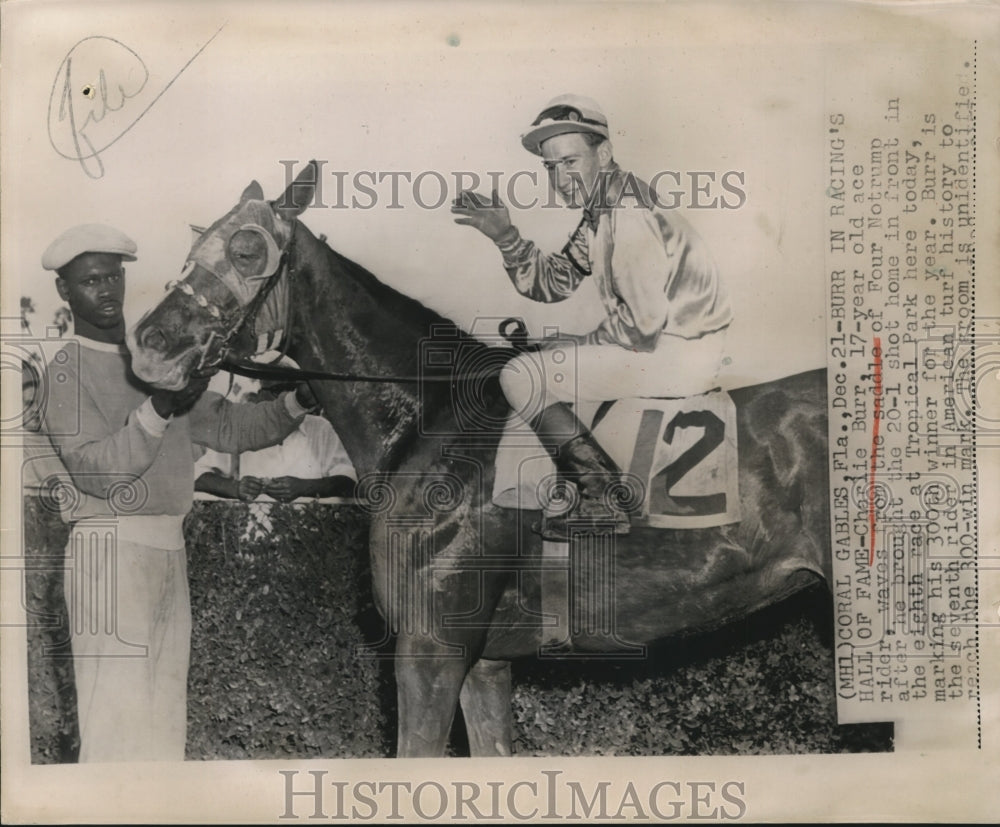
(765, 686)
(276, 668)
(280, 666)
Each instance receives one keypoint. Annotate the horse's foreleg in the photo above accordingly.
(427, 683)
(485, 701)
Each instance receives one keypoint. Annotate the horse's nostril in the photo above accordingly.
(153, 339)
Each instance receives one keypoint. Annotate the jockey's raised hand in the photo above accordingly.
(489, 215)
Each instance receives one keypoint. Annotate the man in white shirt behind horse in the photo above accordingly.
(309, 462)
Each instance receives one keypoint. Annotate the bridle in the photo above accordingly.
(215, 351)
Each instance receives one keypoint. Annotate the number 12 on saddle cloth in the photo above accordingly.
(683, 451)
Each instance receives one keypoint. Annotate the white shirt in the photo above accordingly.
(311, 452)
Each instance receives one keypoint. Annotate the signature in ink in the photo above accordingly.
(98, 76)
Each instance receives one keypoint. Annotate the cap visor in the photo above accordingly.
(533, 139)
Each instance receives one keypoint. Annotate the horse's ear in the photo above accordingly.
(252, 193)
(300, 193)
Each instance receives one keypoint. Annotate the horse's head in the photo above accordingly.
(195, 323)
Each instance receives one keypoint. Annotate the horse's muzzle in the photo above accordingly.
(149, 347)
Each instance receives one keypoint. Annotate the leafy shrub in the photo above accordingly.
(55, 737)
(275, 663)
(762, 687)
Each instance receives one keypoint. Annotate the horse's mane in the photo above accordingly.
(394, 302)
(438, 402)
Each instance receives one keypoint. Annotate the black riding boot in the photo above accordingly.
(579, 459)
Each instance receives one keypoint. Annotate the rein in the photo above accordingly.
(256, 370)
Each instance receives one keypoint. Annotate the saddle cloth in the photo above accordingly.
(683, 453)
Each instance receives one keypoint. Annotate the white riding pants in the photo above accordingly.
(569, 372)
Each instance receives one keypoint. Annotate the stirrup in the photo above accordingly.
(559, 528)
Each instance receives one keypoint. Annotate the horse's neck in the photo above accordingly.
(348, 322)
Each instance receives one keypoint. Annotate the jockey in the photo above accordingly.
(666, 310)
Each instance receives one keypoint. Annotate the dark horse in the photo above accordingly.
(462, 583)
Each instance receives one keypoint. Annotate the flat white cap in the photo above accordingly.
(87, 238)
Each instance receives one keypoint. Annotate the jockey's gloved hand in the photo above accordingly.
(169, 403)
(489, 215)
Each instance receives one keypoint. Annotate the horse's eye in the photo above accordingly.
(247, 250)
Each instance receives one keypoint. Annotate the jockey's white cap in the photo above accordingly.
(562, 114)
(87, 238)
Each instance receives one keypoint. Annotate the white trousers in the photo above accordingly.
(130, 629)
(568, 372)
